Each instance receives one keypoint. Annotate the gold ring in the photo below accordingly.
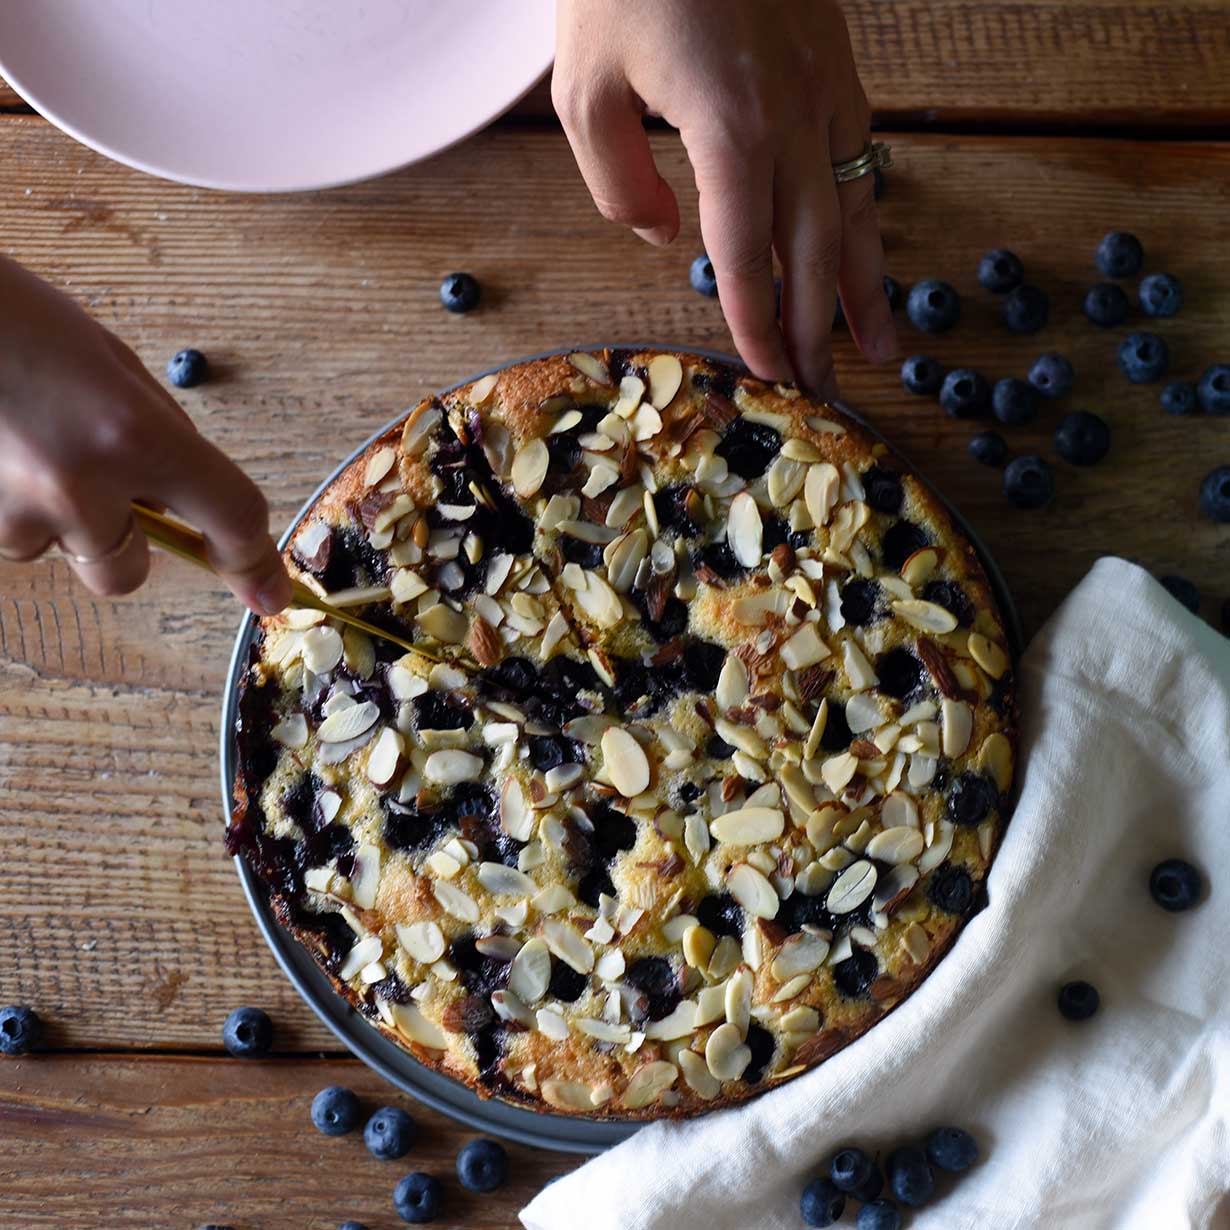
(877, 156)
(119, 548)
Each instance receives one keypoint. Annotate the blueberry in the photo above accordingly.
(1078, 1001)
(1161, 295)
(248, 1033)
(989, 447)
(1014, 402)
(900, 672)
(460, 292)
(952, 1149)
(417, 1198)
(1181, 589)
(879, 1215)
(1119, 255)
(952, 889)
(965, 393)
(335, 1111)
(1106, 305)
(389, 1133)
(187, 368)
(859, 599)
(909, 1176)
(1179, 397)
(1026, 309)
(19, 1029)
(933, 306)
(1214, 389)
(1029, 482)
(1176, 885)
(352, 1225)
(1143, 357)
(922, 374)
(849, 1168)
(821, 1203)
(703, 279)
(1215, 495)
(872, 1188)
(1000, 271)
(883, 491)
(1082, 439)
(1052, 375)
(896, 296)
(482, 1166)
(856, 973)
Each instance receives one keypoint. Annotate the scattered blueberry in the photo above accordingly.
(1029, 482)
(1052, 375)
(704, 280)
(870, 1190)
(821, 1203)
(1000, 271)
(922, 374)
(1179, 397)
(335, 1111)
(389, 1133)
(989, 447)
(1026, 309)
(1161, 295)
(482, 1166)
(417, 1198)
(1014, 402)
(1078, 1001)
(909, 1176)
(352, 1225)
(19, 1029)
(896, 296)
(1106, 305)
(187, 368)
(849, 1168)
(879, 1215)
(1119, 255)
(1143, 357)
(1175, 885)
(1182, 590)
(460, 292)
(952, 1149)
(933, 306)
(248, 1033)
(1082, 439)
(965, 393)
(1215, 495)
(1214, 389)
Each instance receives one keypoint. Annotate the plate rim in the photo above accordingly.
(530, 1127)
(51, 114)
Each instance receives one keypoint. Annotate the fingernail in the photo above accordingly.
(274, 597)
(884, 345)
(659, 236)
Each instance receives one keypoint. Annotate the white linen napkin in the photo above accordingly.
(1122, 1121)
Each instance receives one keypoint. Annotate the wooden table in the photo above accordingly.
(1014, 123)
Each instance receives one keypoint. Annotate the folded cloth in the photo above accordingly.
(1119, 1121)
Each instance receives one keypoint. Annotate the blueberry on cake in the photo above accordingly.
(701, 763)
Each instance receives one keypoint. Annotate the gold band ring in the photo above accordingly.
(120, 547)
(877, 156)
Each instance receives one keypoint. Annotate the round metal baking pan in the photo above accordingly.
(397, 1066)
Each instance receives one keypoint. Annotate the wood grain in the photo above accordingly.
(1132, 63)
(141, 1143)
(320, 314)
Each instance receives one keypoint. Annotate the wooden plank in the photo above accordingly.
(1123, 62)
(162, 1144)
(320, 313)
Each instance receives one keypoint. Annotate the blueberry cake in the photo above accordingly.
(701, 765)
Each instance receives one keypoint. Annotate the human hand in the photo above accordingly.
(766, 97)
(85, 430)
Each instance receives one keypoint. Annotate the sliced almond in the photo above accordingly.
(784, 480)
(894, 887)
(726, 1054)
(625, 762)
(800, 954)
(530, 972)
(995, 758)
(988, 655)
(455, 902)
(349, 723)
(529, 468)
(938, 850)
(957, 724)
(753, 891)
(732, 685)
(928, 616)
(649, 1083)
(423, 941)
(363, 953)
(665, 377)
(858, 670)
(567, 1095)
(505, 881)
(863, 713)
(626, 556)
(591, 366)
(823, 426)
(837, 771)
(422, 422)
(697, 1076)
(698, 945)
(899, 810)
(896, 845)
(749, 826)
(443, 624)
(852, 887)
(745, 530)
(291, 731)
(804, 648)
(820, 491)
(410, 1021)
(604, 1031)
(516, 815)
(919, 566)
(322, 649)
(567, 943)
(383, 759)
(677, 1024)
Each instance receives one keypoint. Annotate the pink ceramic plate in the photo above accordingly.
(273, 95)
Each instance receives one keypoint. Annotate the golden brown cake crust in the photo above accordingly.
(706, 769)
